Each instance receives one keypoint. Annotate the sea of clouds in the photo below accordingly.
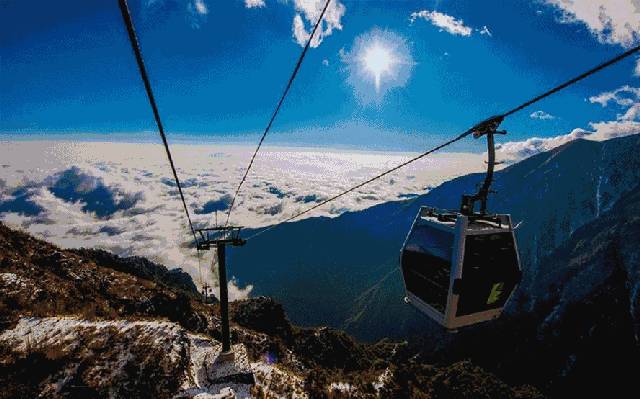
(121, 197)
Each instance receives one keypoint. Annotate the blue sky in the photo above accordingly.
(217, 71)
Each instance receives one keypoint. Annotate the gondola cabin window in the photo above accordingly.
(426, 265)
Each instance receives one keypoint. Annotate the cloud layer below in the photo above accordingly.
(121, 197)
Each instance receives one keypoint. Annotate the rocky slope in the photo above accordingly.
(85, 323)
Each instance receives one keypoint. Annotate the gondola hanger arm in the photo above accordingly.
(488, 128)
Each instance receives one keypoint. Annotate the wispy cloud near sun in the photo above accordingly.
(541, 115)
(254, 3)
(443, 21)
(308, 12)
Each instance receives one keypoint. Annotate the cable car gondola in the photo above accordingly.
(460, 268)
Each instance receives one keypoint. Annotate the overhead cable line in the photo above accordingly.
(277, 109)
(462, 135)
(364, 183)
(135, 45)
(574, 80)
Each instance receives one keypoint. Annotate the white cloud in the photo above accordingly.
(198, 12)
(541, 115)
(445, 22)
(254, 3)
(200, 7)
(636, 70)
(307, 14)
(626, 123)
(300, 32)
(631, 114)
(485, 31)
(612, 129)
(325, 62)
(516, 151)
(624, 96)
(610, 21)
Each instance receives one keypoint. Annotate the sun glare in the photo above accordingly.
(378, 61)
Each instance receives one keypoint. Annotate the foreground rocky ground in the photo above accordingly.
(85, 323)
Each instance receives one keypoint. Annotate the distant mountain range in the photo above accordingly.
(344, 271)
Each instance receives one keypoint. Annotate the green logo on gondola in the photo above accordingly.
(496, 293)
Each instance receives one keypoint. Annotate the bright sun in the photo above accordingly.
(378, 61)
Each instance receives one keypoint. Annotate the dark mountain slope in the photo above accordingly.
(581, 337)
(331, 271)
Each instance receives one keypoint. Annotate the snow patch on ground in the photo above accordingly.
(342, 387)
(68, 331)
(204, 374)
(383, 379)
(12, 280)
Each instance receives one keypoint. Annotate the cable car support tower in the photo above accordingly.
(218, 238)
